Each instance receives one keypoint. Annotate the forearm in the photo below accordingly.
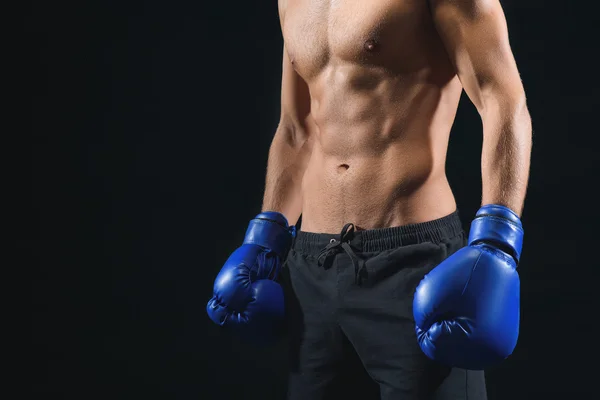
(506, 154)
(288, 157)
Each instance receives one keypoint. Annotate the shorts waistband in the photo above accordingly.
(375, 240)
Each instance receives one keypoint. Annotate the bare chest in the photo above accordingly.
(372, 32)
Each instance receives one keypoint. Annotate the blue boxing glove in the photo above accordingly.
(466, 309)
(246, 295)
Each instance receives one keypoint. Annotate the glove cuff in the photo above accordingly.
(500, 226)
(271, 230)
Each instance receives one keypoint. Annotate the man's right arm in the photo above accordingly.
(291, 147)
(255, 307)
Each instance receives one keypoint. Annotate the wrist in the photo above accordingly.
(270, 229)
(499, 226)
(273, 216)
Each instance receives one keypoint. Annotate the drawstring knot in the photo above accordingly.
(334, 247)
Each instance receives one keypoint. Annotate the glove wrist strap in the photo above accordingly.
(270, 230)
(498, 225)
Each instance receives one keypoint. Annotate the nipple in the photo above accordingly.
(371, 45)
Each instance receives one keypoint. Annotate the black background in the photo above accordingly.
(152, 122)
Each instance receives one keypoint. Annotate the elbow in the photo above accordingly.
(507, 109)
(505, 101)
(521, 118)
(521, 111)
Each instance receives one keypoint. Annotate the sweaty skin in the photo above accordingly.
(370, 91)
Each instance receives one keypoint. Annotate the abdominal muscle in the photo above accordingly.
(379, 151)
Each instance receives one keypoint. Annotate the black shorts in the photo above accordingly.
(349, 300)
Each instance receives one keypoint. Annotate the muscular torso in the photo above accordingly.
(383, 99)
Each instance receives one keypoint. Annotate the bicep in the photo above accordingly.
(295, 97)
(475, 35)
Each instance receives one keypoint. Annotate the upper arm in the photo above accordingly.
(295, 97)
(475, 35)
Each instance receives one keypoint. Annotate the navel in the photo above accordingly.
(342, 168)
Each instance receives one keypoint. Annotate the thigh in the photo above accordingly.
(347, 378)
(378, 320)
(461, 384)
(315, 339)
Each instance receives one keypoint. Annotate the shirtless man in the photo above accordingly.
(370, 90)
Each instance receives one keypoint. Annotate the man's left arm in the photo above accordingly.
(475, 36)
(477, 287)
